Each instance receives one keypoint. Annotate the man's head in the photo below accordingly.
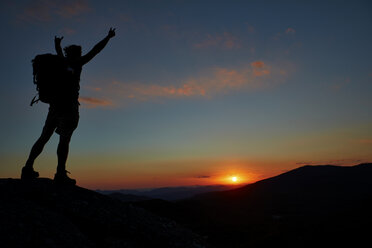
(72, 51)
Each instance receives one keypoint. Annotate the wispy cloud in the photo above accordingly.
(339, 84)
(203, 176)
(304, 163)
(225, 40)
(46, 10)
(124, 17)
(67, 31)
(92, 102)
(254, 76)
(364, 141)
(260, 69)
(96, 89)
(345, 161)
(258, 64)
(218, 80)
(288, 32)
(73, 8)
(250, 29)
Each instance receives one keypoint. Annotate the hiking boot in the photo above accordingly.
(28, 173)
(61, 178)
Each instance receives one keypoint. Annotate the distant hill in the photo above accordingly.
(128, 197)
(167, 193)
(311, 206)
(42, 214)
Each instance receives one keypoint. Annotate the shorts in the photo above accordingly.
(62, 121)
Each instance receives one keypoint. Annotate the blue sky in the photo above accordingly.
(190, 88)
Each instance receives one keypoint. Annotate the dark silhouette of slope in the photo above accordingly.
(169, 193)
(128, 197)
(310, 206)
(43, 214)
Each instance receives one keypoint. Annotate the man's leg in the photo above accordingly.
(38, 147)
(62, 152)
(68, 122)
(28, 172)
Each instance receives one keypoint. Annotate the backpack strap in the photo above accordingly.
(34, 100)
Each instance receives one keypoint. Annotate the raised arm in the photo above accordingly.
(57, 45)
(97, 48)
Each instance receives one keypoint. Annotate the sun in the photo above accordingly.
(233, 179)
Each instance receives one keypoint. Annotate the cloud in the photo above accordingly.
(345, 161)
(46, 10)
(225, 40)
(37, 11)
(290, 31)
(304, 163)
(92, 102)
(73, 8)
(202, 176)
(250, 29)
(260, 69)
(365, 141)
(123, 17)
(339, 84)
(258, 64)
(143, 91)
(68, 31)
(215, 81)
(96, 89)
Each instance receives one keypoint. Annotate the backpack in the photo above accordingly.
(49, 74)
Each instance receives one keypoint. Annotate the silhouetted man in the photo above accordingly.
(63, 115)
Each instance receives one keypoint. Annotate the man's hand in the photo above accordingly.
(58, 40)
(111, 33)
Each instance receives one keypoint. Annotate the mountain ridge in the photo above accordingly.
(305, 207)
(167, 193)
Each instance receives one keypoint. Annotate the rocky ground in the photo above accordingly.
(43, 214)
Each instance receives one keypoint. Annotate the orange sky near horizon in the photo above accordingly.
(213, 173)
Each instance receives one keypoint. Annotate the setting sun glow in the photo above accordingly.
(234, 179)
